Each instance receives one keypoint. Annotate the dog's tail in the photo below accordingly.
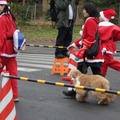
(111, 97)
(107, 98)
(104, 98)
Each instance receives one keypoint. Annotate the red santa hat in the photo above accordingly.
(3, 2)
(106, 15)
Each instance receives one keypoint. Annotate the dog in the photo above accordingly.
(94, 81)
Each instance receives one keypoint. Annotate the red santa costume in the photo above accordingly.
(109, 33)
(87, 40)
(7, 53)
(89, 31)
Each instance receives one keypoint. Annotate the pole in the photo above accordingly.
(64, 85)
(46, 46)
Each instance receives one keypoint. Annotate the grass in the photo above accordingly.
(36, 33)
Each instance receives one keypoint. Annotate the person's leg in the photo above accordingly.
(60, 42)
(82, 67)
(11, 67)
(112, 63)
(96, 68)
(68, 40)
(96, 71)
(104, 68)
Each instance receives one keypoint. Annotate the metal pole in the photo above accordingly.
(46, 46)
(64, 85)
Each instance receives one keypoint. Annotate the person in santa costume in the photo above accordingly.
(7, 52)
(84, 43)
(109, 33)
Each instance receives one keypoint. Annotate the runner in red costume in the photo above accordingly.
(109, 33)
(7, 53)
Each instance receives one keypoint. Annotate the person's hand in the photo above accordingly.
(70, 47)
(80, 53)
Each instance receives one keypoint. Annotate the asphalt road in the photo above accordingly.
(46, 102)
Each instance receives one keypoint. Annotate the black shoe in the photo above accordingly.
(71, 93)
(60, 55)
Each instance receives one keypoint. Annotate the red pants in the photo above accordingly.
(109, 61)
(11, 67)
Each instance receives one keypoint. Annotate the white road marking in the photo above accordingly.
(28, 69)
(34, 62)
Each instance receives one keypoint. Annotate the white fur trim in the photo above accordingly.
(105, 23)
(103, 17)
(7, 55)
(104, 50)
(3, 2)
(74, 45)
(95, 60)
(80, 42)
(109, 52)
(112, 17)
(82, 26)
(81, 32)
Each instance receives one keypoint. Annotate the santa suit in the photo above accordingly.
(89, 30)
(7, 53)
(109, 33)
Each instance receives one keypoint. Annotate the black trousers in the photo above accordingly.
(95, 67)
(64, 38)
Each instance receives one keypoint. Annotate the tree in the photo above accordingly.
(106, 4)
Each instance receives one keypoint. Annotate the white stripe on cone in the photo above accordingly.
(7, 100)
(72, 64)
(72, 57)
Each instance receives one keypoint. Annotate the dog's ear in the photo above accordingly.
(71, 74)
(74, 73)
(77, 73)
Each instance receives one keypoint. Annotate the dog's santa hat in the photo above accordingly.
(106, 15)
(3, 2)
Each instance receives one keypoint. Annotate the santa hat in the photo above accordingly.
(106, 15)
(3, 2)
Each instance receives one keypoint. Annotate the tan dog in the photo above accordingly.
(95, 81)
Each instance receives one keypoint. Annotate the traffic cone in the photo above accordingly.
(7, 106)
(72, 64)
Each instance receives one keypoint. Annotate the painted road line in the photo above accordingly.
(35, 65)
(35, 61)
(28, 69)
